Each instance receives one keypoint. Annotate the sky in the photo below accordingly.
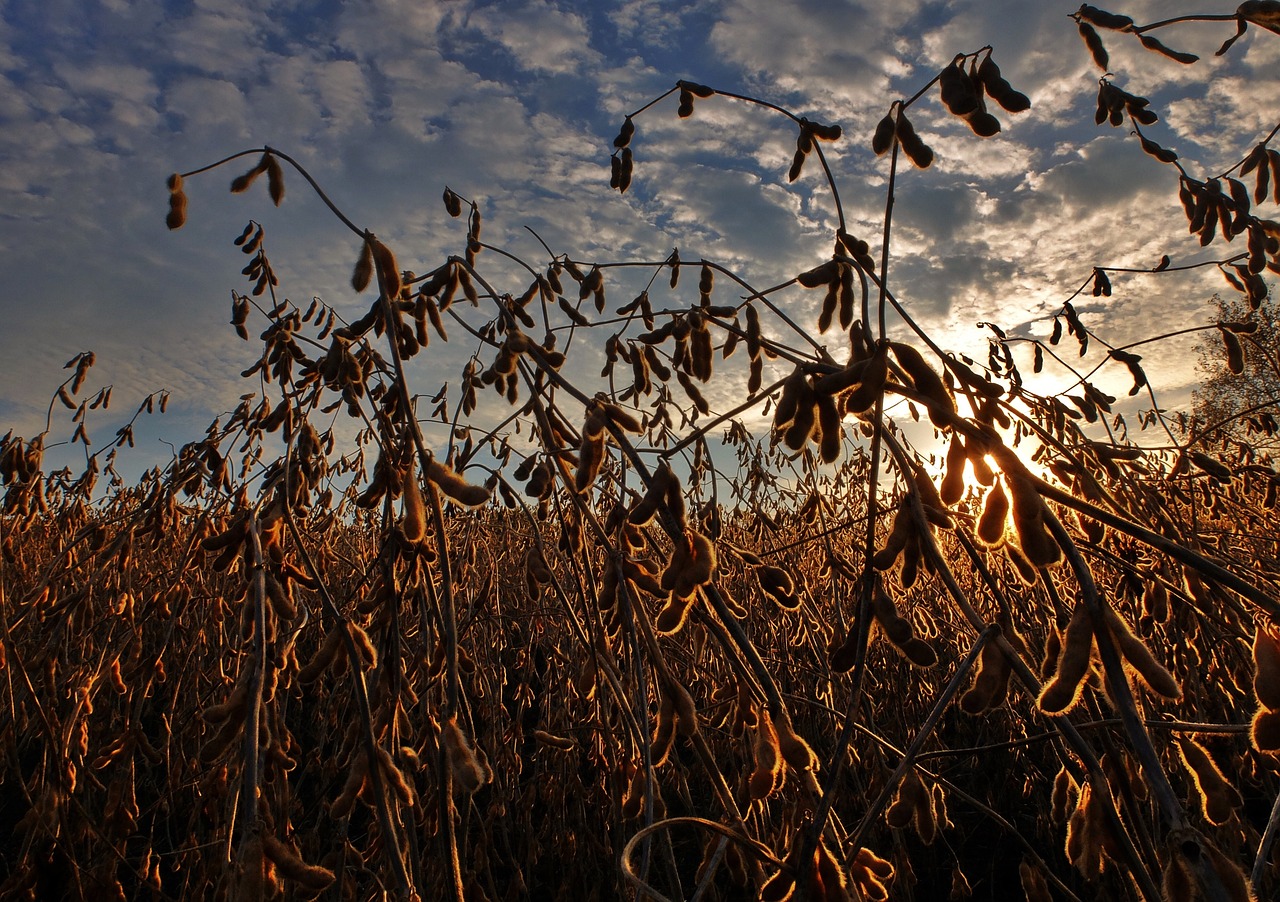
(515, 105)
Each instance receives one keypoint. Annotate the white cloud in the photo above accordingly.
(541, 37)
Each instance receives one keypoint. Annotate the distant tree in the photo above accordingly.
(1240, 386)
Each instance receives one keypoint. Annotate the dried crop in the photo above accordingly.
(454, 659)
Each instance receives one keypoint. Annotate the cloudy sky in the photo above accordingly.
(515, 105)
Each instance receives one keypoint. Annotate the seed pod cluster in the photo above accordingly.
(1073, 661)
(693, 561)
(899, 630)
(1189, 855)
(895, 126)
(688, 91)
(915, 804)
(870, 875)
(837, 277)
(1090, 839)
(861, 383)
(1138, 658)
(1027, 512)
(810, 132)
(803, 413)
(925, 380)
(962, 94)
(1266, 162)
(258, 270)
(1115, 103)
(592, 286)
(621, 167)
(664, 489)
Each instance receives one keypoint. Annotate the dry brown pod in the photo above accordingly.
(454, 486)
(1139, 657)
(687, 722)
(1027, 520)
(591, 452)
(942, 405)
(1265, 731)
(911, 798)
(870, 873)
(1063, 691)
(778, 585)
(767, 776)
(177, 216)
(899, 534)
(1064, 795)
(242, 182)
(995, 514)
(1266, 665)
(292, 867)
(920, 154)
(275, 179)
(563, 743)
(820, 275)
(329, 651)
(829, 429)
(674, 613)
(795, 751)
(664, 730)
(1191, 861)
(991, 682)
(464, 764)
(693, 560)
(414, 522)
(1218, 798)
(951, 489)
(884, 134)
(1034, 885)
